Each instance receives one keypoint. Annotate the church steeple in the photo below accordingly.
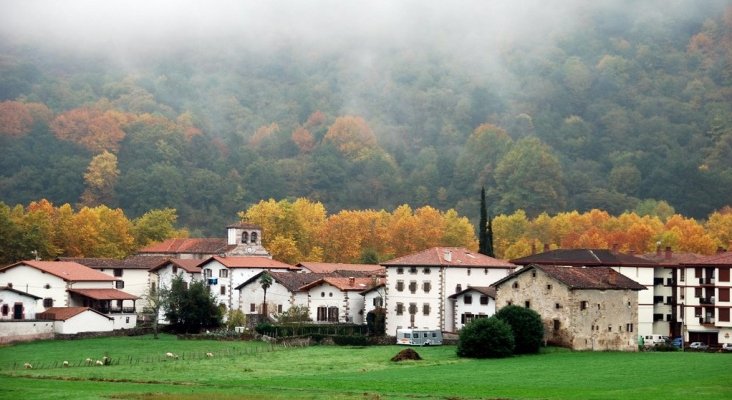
(248, 240)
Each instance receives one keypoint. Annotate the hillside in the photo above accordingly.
(369, 106)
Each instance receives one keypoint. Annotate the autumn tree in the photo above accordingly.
(100, 178)
(351, 135)
(15, 118)
(92, 128)
(156, 226)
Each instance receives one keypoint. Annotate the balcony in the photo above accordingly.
(706, 281)
(706, 321)
(115, 310)
(706, 300)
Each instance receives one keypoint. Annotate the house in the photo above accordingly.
(582, 308)
(281, 295)
(17, 305)
(337, 299)
(668, 289)
(223, 274)
(704, 299)
(471, 303)
(636, 268)
(161, 276)
(72, 320)
(419, 285)
(70, 284)
(131, 273)
(374, 297)
(242, 240)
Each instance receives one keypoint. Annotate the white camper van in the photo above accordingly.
(419, 337)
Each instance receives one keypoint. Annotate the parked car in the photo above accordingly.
(698, 346)
(677, 342)
(727, 347)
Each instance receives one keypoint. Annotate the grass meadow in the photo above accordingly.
(255, 370)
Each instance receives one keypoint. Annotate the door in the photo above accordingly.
(18, 311)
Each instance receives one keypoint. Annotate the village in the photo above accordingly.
(588, 299)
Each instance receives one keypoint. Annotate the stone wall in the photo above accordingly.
(25, 330)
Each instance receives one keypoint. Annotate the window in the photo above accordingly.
(548, 287)
(466, 318)
(483, 300)
(412, 270)
(609, 328)
(47, 302)
(400, 286)
(279, 308)
(399, 309)
(117, 272)
(244, 237)
(527, 304)
(657, 317)
(426, 308)
(697, 311)
(5, 310)
(657, 299)
(468, 271)
(557, 306)
(322, 313)
(254, 237)
(413, 287)
(583, 305)
(152, 287)
(657, 281)
(426, 286)
(723, 314)
(629, 327)
(515, 285)
(223, 289)
(252, 307)
(468, 299)
(485, 271)
(207, 273)
(556, 325)
(412, 308)
(669, 299)
(330, 294)
(332, 314)
(682, 273)
(378, 302)
(322, 294)
(119, 284)
(426, 271)
(723, 294)
(698, 292)
(668, 317)
(458, 288)
(724, 274)
(223, 273)
(533, 274)
(697, 272)
(400, 270)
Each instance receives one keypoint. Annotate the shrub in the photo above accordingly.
(343, 340)
(486, 338)
(376, 321)
(528, 330)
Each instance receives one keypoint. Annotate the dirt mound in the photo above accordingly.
(406, 354)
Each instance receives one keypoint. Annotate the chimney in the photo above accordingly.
(533, 248)
(615, 248)
(448, 256)
(720, 250)
(632, 252)
(546, 247)
(351, 281)
(658, 249)
(612, 279)
(669, 253)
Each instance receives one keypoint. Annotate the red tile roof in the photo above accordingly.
(64, 313)
(672, 259)
(104, 294)
(250, 262)
(343, 284)
(448, 257)
(324, 268)
(66, 270)
(600, 278)
(132, 262)
(584, 257)
(723, 259)
(187, 264)
(194, 245)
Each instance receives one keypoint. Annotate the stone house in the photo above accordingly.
(582, 308)
(418, 286)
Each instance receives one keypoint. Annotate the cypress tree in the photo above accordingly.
(489, 239)
(482, 224)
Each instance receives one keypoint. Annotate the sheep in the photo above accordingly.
(27, 366)
(171, 355)
(89, 361)
(106, 360)
(66, 363)
(209, 355)
(99, 362)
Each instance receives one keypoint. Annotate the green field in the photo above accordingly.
(254, 370)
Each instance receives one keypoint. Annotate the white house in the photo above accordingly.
(223, 274)
(337, 299)
(131, 273)
(161, 275)
(418, 286)
(17, 305)
(471, 303)
(374, 297)
(69, 284)
(281, 295)
(71, 320)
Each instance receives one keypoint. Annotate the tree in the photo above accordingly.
(265, 280)
(482, 224)
(486, 338)
(351, 135)
(100, 178)
(155, 298)
(191, 307)
(156, 226)
(528, 330)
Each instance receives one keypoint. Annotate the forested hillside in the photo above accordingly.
(610, 105)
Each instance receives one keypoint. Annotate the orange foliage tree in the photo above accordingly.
(351, 135)
(95, 129)
(15, 118)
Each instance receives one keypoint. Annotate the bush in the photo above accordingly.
(351, 340)
(376, 321)
(528, 330)
(486, 338)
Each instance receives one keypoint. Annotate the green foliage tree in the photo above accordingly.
(235, 318)
(376, 321)
(191, 307)
(486, 338)
(528, 330)
(265, 280)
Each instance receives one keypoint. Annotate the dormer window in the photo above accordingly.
(254, 237)
(244, 237)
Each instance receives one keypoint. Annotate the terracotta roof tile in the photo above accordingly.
(584, 257)
(343, 284)
(325, 268)
(104, 294)
(448, 257)
(66, 270)
(251, 262)
(723, 259)
(672, 259)
(187, 264)
(64, 313)
(191, 245)
(132, 262)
